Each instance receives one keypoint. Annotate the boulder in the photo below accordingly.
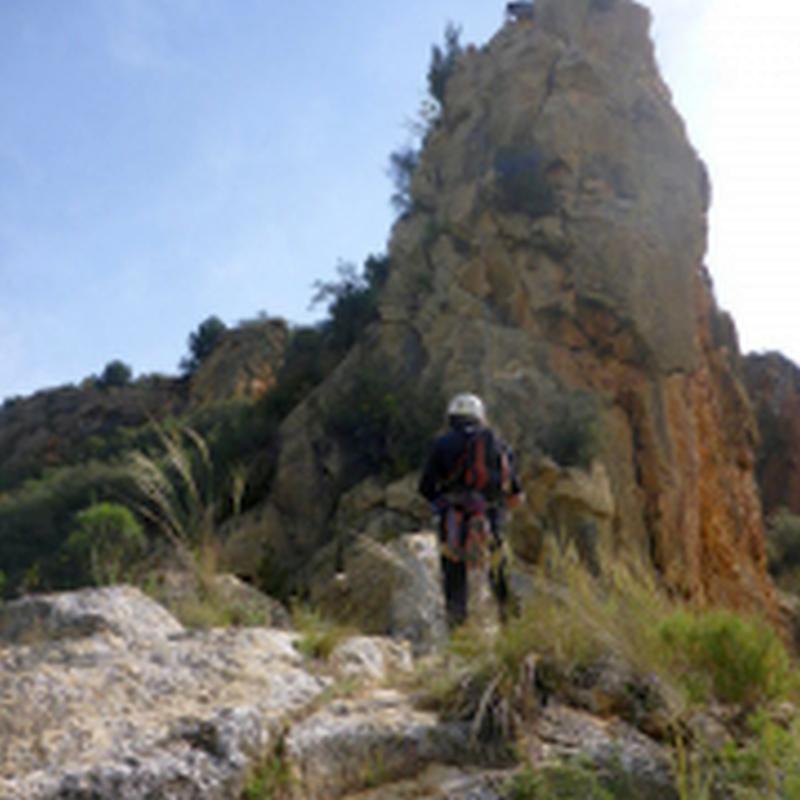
(390, 589)
(113, 699)
(353, 744)
(179, 591)
(370, 659)
(611, 746)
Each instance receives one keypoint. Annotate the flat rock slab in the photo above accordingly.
(613, 746)
(120, 611)
(353, 744)
(442, 782)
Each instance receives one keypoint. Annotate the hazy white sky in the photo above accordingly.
(163, 160)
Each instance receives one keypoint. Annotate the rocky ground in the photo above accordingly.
(103, 694)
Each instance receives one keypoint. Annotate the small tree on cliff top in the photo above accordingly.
(202, 343)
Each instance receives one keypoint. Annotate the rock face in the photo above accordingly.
(773, 382)
(243, 366)
(554, 252)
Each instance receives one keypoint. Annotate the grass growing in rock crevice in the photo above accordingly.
(319, 635)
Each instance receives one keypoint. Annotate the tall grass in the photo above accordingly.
(177, 495)
(176, 490)
(573, 624)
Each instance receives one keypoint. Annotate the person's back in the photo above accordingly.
(467, 478)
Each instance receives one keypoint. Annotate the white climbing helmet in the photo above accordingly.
(467, 405)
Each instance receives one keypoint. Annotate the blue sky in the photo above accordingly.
(164, 160)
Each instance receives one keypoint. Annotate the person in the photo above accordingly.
(470, 480)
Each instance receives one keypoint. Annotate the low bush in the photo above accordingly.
(783, 545)
(319, 636)
(521, 182)
(719, 655)
(116, 373)
(387, 424)
(568, 429)
(273, 778)
(569, 780)
(107, 540)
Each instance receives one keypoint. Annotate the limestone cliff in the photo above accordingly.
(244, 365)
(555, 246)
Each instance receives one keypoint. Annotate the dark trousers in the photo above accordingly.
(454, 581)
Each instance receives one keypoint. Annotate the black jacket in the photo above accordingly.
(444, 471)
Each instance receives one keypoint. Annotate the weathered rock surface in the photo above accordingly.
(179, 590)
(563, 733)
(353, 744)
(104, 695)
(243, 366)
(440, 782)
(773, 382)
(391, 589)
(110, 698)
(554, 248)
(371, 659)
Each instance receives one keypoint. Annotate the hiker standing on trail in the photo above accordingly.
(470, 480)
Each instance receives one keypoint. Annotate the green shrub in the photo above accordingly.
(272, 779)
(443, 62)
(319, 636)
(569, 780)
(386, 424)
(719, 655)
(765, 763)
(522, 185)
(568, 429)
(107, 540)
(37, 518)
(402, 164)
(352, 301)
(202, 343)
(783, 542)
(116, 373)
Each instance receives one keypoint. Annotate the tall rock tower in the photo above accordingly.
(555, 246)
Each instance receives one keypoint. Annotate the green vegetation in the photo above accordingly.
(116, 373)
(403, 161)
(443, 62)
(571, 780)
(691, 660)
(107, 539)
(567, 428)
(37, 517)
(175, 489)
(273, 779)
(521, 181)
(202, 343)
(783, 548)
(319, 636)
(402, 164)
(386, 423)
(717, 655)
